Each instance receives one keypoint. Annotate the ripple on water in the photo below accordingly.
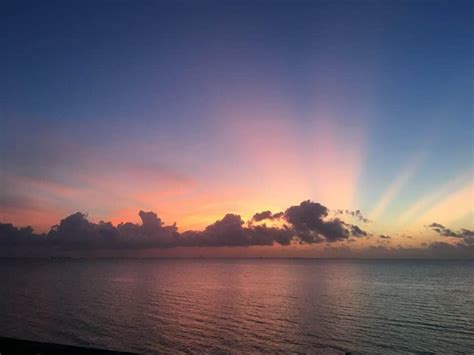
(240, 306)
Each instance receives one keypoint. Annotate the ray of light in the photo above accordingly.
(450, 209)
(280, 164)
(395, 187)
(423, 204)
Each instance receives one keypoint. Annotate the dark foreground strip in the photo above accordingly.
(17, 346)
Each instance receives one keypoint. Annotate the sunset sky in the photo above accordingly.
(196, 109)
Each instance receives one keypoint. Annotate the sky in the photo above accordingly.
(199, 109)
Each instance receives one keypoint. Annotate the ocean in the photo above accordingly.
(242, 305)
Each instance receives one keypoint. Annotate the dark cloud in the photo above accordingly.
(357, 232)
(11, 236)
(77, 232)
(446, 250)
(356, 214)
(309, 222)
(334, 230)
(230, 231)
(282, 236)
(306, 223)
(466, 234)
(261, 216)
(436, 225)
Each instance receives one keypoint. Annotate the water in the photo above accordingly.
(241, 306)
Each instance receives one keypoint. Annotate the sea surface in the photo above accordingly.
(242, 306)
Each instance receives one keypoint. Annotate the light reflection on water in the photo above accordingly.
(309, 306)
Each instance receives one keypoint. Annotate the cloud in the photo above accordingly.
(282, 236)
(11, 236)
(446, 250)
(466, 234)
(261, 216)
(356, 214)
(230, 231)
(76, 232)
(308, 220)
(306, 223)
(357, 232)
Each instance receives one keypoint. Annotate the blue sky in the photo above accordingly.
(197, 108)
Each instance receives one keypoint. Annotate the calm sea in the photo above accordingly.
(242, 306)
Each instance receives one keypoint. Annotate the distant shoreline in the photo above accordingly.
(71, 258)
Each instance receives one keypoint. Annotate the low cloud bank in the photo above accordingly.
(465, 234)
(307, 223)
(435, 250)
